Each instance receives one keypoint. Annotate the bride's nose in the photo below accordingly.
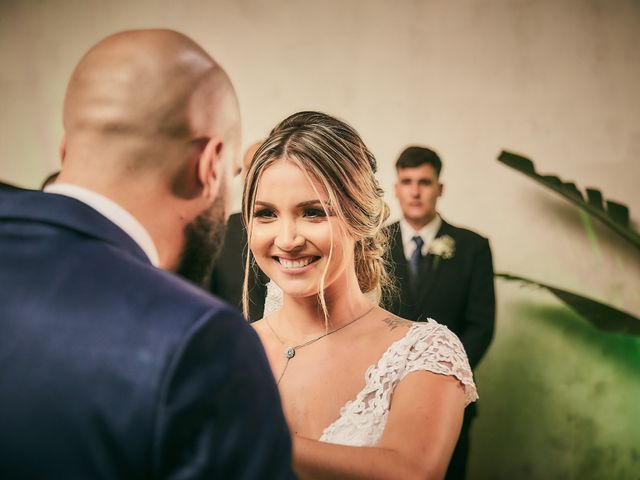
(288, 237)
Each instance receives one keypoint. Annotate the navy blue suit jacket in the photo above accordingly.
(111, 368)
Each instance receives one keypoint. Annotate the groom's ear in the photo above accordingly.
(62, 149)
(209, 170)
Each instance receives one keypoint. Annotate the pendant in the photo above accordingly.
(289, 352)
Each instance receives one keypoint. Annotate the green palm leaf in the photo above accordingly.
(613, 214)
(603, 316)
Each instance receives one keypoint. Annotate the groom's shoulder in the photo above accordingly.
(183, 300)
(463, 234)
(181, 322)
(158, 303)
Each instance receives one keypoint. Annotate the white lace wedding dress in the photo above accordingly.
(426, 346)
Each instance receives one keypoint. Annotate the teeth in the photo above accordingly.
(299, 263)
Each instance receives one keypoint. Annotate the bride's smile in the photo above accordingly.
(295, 265)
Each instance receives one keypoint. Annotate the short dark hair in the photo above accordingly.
(413, 157)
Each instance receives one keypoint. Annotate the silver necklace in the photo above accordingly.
(290, 351)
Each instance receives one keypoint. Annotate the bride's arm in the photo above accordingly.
(418, 441)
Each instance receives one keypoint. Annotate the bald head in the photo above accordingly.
(152, 123)
(139, 96)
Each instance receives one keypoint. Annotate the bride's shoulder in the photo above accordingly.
(393, 322)
(431, 329)
(390, 327)
(433, 347)
(431, 325)
(427, 333)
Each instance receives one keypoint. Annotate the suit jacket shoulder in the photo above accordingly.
(461, 234)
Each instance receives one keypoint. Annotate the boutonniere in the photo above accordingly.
(442, 247)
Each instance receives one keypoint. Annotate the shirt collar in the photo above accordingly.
(113, 212)
(428, 233)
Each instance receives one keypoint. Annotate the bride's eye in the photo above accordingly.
(264, 214)
(314, 213)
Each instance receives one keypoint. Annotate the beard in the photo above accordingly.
(203, 239)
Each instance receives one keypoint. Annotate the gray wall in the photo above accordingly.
(554, 80)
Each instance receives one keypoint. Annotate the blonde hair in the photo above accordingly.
(332, 153)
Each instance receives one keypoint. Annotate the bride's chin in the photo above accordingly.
(299, 294)
(294, 289)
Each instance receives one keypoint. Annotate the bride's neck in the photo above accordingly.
(302, 317)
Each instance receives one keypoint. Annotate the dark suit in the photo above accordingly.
(228, 273)
(457, 292)
(112, 368)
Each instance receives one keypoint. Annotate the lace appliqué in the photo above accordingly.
(273, 300)
(426, 346)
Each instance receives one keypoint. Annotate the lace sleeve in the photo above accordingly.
(436, 349)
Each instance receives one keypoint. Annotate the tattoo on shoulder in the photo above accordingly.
(395, 322)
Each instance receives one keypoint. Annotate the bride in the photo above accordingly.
(366, 394)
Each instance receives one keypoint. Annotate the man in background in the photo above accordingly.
(112, 367)
(442, 271)
(227, 278)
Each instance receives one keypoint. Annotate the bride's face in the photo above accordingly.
(293, 235)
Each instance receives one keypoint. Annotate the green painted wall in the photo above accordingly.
(559, 399)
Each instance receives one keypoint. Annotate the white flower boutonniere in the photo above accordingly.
(442, 247)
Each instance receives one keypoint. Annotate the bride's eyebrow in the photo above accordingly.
(310, 203)
(306, 203)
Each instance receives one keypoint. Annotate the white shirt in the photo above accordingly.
(113, 212)
(428, 233)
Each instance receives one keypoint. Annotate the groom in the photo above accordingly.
(111, 367)
(442, 271)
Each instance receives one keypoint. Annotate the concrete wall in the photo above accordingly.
(554, 80)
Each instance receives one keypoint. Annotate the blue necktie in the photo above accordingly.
(416, 256)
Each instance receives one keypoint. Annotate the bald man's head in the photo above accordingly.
(140, 92)
(152, 122)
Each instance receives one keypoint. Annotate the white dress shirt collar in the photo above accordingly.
(428, 233)
(113, 212)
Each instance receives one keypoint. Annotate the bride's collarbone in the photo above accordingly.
(320, 381)
(348, 354)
